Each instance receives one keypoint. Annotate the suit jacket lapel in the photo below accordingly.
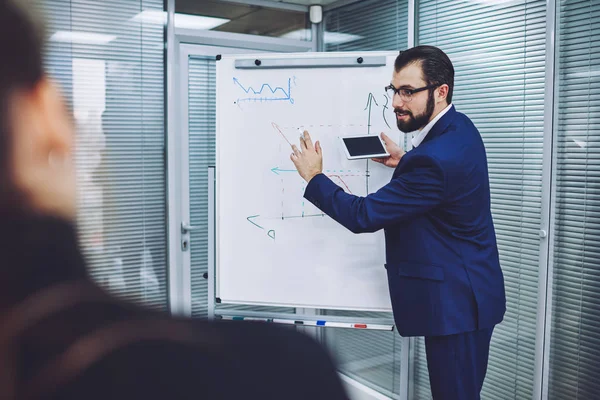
(441, 125)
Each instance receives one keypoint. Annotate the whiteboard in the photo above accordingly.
(273, 246)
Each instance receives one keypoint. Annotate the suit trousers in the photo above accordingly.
(457, 364)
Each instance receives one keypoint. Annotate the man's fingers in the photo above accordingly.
(318, 147)
(308, 140)
(387, 140)
(302, 143)
(296, 151)
(381, 160)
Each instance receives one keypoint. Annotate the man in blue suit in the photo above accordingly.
(442, 261)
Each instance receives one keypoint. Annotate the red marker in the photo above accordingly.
(362, 326)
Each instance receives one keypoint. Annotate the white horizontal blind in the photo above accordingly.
(370, 25)
(575, 340)
(372, 358)
(201, 128)
(111, 67)
(498, 51)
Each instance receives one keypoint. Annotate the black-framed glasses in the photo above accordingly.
(406, 94)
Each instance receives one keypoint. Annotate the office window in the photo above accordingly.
(202, 128)
(371, 358)
(575, 341)
(498, 52)
(368, 25)
(109, 59)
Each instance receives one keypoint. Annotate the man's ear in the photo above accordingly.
(442, 93)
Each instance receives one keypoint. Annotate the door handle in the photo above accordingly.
(185, 228)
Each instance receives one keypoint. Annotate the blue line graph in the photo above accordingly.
(262, 95)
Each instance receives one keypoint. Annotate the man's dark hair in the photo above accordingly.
(21, 68)
(436, 66)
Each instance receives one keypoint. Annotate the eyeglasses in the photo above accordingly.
(406, 94)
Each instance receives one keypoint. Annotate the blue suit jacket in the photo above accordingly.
(441, 253)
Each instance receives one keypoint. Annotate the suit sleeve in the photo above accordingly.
(418, 189)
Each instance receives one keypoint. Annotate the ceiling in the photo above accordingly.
(308, 2)
(250, 19)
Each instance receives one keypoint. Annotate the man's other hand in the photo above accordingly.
(396, 153)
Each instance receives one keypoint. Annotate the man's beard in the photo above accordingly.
(414, 123)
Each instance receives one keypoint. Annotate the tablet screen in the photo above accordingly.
(363, 146)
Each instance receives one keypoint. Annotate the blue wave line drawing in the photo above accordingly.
(259, 97)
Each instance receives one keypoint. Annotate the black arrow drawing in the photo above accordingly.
(369, 105)
(385, 107)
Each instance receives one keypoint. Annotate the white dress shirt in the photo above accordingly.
(419, 137)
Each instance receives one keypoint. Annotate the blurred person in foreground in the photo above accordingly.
(61, 336)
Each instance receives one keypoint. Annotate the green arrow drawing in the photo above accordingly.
(277, 170)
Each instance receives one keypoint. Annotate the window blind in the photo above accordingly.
(368, 25)
(201, 128)
(575, 342)
(498, 52)
(109, 62)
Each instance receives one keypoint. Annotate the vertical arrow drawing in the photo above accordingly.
(369, 105)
